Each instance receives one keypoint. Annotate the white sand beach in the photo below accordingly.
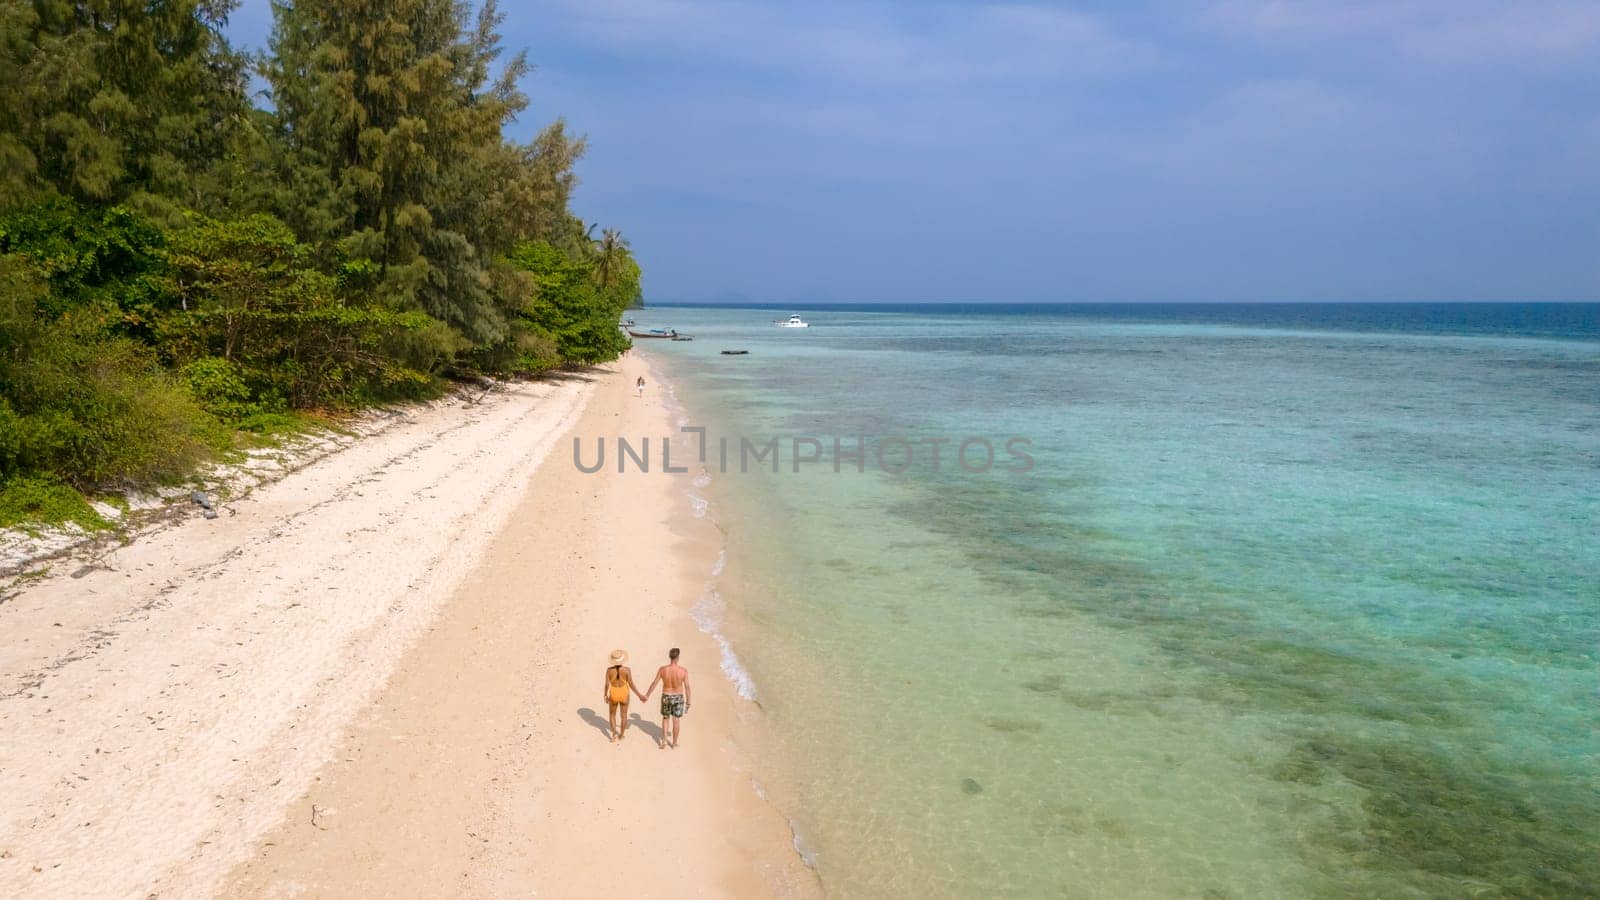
(381, 675)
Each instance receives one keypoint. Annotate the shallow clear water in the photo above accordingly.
(1276, 611)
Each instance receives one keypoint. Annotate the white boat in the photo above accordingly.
(792, 322)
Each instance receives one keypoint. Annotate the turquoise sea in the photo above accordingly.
(1293, 602)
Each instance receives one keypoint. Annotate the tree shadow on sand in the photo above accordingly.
(599, 723)
(578, 373)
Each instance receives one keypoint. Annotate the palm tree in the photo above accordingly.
(609, 251)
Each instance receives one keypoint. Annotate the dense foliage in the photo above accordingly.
(176, 262)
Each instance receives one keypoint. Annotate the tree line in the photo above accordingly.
(182, 258)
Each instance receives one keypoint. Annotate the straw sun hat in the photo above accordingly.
(618, 657)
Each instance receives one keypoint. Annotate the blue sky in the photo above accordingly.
(1103, 151)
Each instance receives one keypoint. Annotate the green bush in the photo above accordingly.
(568, 308)
(43, 500)
(105, 258)
(84, 407)
(220, 388)
(277, 424)
(102, 413)
(262, 329)
(536, 352)
(11, 442)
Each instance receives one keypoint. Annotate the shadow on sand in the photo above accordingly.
(577, 373)
(599, 723)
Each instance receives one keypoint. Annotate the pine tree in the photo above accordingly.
(173, 260)
(395, 101)
(534, 196)
(110, 100)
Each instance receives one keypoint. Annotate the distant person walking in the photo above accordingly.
(675, 693)
(619, 681)
(640, 385)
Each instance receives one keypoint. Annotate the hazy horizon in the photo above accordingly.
(751, 303)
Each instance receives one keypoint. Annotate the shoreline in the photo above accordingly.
(373, 675)
(538, 799)
(720, 616)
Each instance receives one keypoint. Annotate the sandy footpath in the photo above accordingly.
(382, 675)
(158, 714)
(484, 768)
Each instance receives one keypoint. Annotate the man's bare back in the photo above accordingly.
(673, 678)
(675, 697)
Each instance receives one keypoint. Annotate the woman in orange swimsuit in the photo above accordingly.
(619, 681)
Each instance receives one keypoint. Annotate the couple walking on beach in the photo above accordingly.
(674, 681)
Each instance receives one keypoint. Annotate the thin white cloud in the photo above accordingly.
(937, 45)
(1448, 31)
(1294, 134)
(1551, 32)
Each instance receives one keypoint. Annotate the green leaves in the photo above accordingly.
(568, 306)
(101, 257)
(262, 328)
(88, 407)
(107, 100)
(172, 258)
(45, 500)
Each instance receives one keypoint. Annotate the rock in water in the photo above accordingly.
(971, 786)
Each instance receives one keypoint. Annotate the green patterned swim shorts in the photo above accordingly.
(673, 705)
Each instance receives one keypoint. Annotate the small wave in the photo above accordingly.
(722, 561)
(804, 850)
(807, 854)
(702, 479)
(700, 505)
(707, 615)
(735, 672)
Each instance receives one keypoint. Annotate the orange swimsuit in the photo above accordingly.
(618, 692)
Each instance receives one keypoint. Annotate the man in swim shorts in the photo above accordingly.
(674, 680)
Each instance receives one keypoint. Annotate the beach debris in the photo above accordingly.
(207, 505)
(971, 786)
(486, 386)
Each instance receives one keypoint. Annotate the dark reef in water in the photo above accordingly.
(1440, 807)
